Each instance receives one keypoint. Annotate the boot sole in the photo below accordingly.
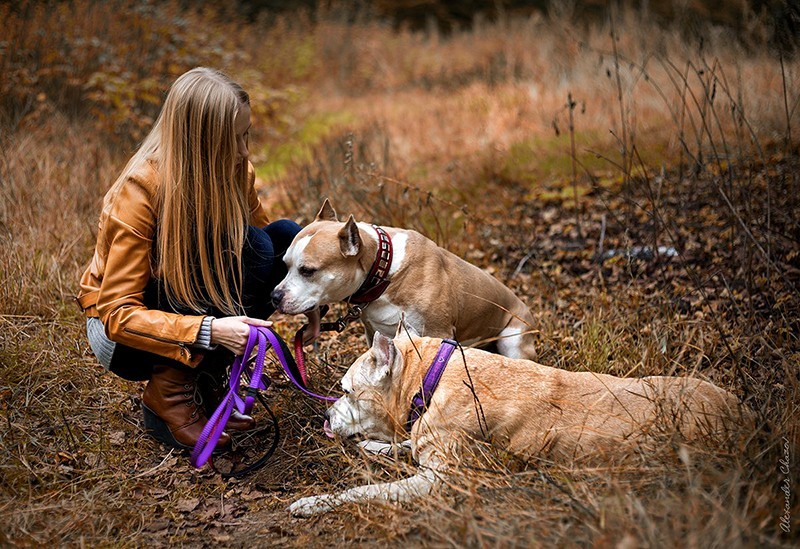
(157, 428)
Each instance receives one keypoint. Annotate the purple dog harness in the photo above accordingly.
(421, 400)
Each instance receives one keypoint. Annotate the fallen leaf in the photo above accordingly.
(117, 438)
(187, 505)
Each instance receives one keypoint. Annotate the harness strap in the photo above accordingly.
(421, 400)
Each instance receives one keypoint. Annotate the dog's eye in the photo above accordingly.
(306, 271)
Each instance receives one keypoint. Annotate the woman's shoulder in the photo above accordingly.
(134, 200)
(145, 175)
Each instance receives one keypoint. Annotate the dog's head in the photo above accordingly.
(368, 385)
(323, 263)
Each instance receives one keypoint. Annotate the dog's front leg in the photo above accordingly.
(419, 485)
(390, 449)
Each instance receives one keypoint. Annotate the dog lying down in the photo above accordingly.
(521, 406)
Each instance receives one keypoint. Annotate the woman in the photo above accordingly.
(185, 259)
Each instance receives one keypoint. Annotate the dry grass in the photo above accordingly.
(674, 145)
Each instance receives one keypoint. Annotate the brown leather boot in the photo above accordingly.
(172, 411)
(212, 380)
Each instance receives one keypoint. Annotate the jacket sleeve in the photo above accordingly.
(128, 233)
(258, 217)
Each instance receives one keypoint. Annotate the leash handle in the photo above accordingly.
(257, 374)
(209, 437)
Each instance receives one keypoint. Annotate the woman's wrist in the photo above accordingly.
(204, 340)
(233, 332)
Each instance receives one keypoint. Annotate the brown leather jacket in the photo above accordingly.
(112, 287)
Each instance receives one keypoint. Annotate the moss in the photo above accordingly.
(545, 166)
(418, 173)
(536, 159)
(298, 146)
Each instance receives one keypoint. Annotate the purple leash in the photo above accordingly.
(290, 366)
(260, 339)
(421, 400)
(211, 433)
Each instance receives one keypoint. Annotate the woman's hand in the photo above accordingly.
(232, 332)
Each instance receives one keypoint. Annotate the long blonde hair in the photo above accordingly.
(201, 204)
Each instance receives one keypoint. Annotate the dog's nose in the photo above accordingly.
(327, 414)
(277, 297)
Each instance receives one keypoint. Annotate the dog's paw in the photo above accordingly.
(379, 448)
(312, 505)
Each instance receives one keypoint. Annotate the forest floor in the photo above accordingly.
(644, 241)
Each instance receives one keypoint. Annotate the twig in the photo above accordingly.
(564, 491)
(478, 407)
(522, 263)
(73, 441)
(788, 137)
(626, 172)
(571, 104)
(405, 328)
(602, 238)
(156, 468)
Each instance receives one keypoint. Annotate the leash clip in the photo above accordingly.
(338, 325)
(353, 313)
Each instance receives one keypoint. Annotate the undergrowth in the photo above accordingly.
(635, 186)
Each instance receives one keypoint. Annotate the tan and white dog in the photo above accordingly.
(519, 405)
(440, 294)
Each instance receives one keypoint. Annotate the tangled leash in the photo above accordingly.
(259, 340)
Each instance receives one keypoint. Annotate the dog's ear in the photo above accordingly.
(349, 239)
(384, 352)
(326, 212)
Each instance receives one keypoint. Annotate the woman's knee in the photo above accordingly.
(263, 260)
(282, 232)
(259, 250)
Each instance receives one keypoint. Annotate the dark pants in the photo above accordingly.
(262, 269)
